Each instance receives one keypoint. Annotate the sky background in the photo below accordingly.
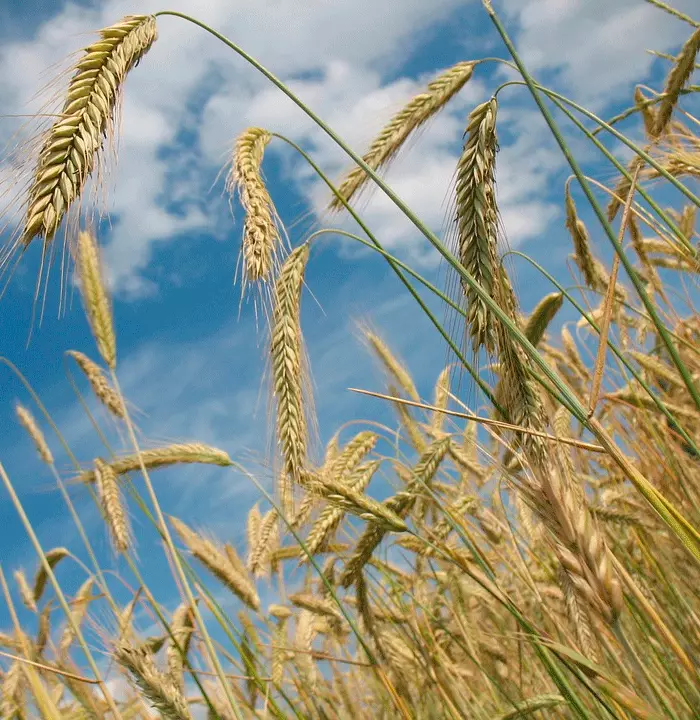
(190, 364)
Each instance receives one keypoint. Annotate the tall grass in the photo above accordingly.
(540, 559)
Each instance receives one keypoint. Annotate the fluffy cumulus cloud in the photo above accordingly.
(191, 96)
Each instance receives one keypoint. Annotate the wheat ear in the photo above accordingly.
(286, 350)
(112, 505)
(102, 388)
(477, 219)
(28, 422)
(97, 305)
(163, 457)
(219, 564)
(261, 237)
(156, 686)
(395, 133)
(676, 81)
(72, 145)
(182, 627)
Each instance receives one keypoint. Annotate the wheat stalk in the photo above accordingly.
(72, 146)
(395, 133)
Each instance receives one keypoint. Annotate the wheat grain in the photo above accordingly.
(72, 146)
(323, 530)
(591, 268)
(25, 592)
(182, 628)
(395, 133)
(266, 543)
(79, 606)
(53, 557)
(391, 364)
(542, 316)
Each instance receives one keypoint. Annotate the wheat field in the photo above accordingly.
(534, 553)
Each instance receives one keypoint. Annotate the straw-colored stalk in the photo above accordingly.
(395, 133)
(72, 146)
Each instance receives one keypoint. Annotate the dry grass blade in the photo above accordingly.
(477, 219)
(72, 145)
(97, 305)
(395, 133)
(219, 564)
(286, 350)
(103, 390)
(163, 457)
(261, 237)
(676, 81)
(112, 504)
(28, 422)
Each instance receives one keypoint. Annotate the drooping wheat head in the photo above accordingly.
(72, 146)
(395, 133)
(262, 242)
(477, 219)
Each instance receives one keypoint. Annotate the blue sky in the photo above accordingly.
(186, 360)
